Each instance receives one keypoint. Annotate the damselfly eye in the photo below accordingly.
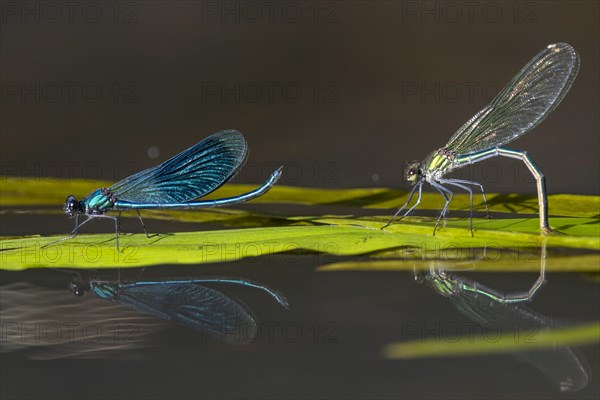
(77, 288)
(71, 205)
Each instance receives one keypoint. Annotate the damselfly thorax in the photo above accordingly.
(97, 202)
(439, 163)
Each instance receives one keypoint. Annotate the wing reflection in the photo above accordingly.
(188, 302)
(48, 324)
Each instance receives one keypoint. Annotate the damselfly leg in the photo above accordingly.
(75, 231)
(448, 196)
(144, 226)
(465, 182)
(468, 189)
(116, 220)
(141, 222)
(410, 196)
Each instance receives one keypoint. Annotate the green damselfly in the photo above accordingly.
(525, 102)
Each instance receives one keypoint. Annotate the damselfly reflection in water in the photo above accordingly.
(525, 102)
(506, 314)
(186, 301)
(450, 285)
(174, 184)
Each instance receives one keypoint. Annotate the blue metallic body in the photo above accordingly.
(175, 184)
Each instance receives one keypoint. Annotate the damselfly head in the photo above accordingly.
(414, 173)
(77, 288)
(72, 206)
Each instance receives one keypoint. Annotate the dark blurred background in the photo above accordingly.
(341, 93)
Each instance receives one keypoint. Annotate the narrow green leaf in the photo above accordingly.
(98, 251)
(516, 262)
(322, 236)
(31, 191)
(544, 339)
(327, 234)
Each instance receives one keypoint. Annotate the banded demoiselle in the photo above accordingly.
(174, 184)
(525, 102)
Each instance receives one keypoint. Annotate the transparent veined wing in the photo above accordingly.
(192, 305)
(189, 175)
(564, 366)
(525, 102)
